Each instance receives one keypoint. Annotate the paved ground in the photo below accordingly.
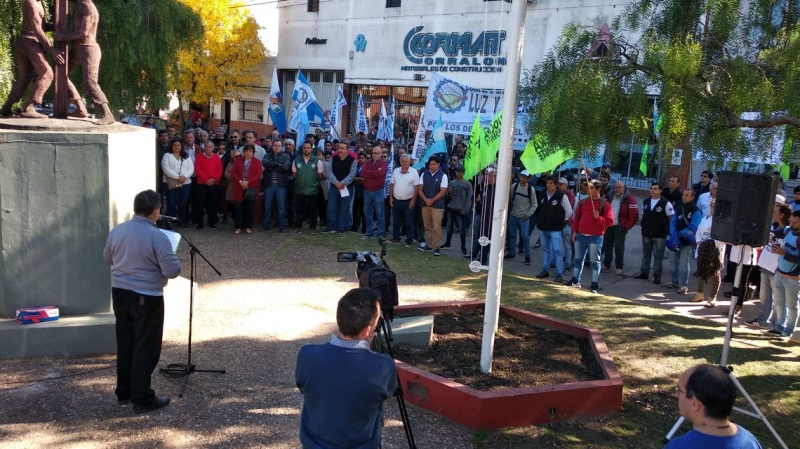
(251, 321)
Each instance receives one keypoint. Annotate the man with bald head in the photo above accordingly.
(626, 214)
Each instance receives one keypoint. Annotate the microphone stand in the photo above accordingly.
(180, 369)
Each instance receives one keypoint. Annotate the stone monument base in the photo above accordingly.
(64, 184)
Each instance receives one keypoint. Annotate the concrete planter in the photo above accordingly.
(517, 406)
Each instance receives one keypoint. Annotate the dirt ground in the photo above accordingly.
(524, 355)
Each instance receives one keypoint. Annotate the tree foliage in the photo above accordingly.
(228, 58)
(140, 40)
(708, 63)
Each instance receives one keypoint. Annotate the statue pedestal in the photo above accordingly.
(64, 184)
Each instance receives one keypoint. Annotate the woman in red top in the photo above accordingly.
(246, 174)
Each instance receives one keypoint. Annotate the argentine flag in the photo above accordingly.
(276, 112)
(438, 145)
(305, 107)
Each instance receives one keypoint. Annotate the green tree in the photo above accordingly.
(140, 40)
(708, 62)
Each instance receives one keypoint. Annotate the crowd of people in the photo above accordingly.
(583, 219)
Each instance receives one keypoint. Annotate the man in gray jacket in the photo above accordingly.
(523, 205)
(142, 260)
(459, 192)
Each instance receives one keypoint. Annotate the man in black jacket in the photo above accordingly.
(656, 213)
(277, 166)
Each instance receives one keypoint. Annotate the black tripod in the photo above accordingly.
(401, 403)
(180, 369)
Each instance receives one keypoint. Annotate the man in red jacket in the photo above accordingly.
(626, 214)
(208, 167)
(374, 173)
(590, 220)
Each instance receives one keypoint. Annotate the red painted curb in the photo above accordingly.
(515, 407)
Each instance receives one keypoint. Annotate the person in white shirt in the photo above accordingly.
(704, 202)
(177, 165)
(402, 199)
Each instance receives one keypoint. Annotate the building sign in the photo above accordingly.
(315, 41)
(454, 52)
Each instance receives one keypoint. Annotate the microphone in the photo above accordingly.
(167, 218)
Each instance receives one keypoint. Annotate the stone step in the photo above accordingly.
(73, 336)
(412, 332)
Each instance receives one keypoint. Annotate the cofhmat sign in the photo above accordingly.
(454, 52)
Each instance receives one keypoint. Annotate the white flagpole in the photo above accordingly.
(494, 282)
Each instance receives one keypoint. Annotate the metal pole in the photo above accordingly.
(494, 282)
(630, 157)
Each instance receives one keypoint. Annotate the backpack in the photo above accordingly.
(602, 204)
(514, 189)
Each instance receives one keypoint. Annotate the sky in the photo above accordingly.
(267, 17)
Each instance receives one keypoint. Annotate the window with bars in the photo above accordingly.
(313, 5)
(392, 3)
(251, 110)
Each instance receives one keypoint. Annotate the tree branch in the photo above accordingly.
(775, 120)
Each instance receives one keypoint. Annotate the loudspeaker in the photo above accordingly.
(743, 208)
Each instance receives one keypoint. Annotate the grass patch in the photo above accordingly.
(650, 346)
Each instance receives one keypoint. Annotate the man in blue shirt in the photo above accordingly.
(705, 396)
(142, 260)
(786, 283)
(344, 383)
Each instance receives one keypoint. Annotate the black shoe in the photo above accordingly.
(537, 245)
(199, 227)
(642, 276)
(509, 256)
(543, 275)
(467, 256)
(593, 287)
(607, 266)
(656, 280)
(527, 261)
(573, 282)
(436, 252)
(727, 294)
(212, 226)
(445, 246)
(559, 280)
(464, 250)
(155, 405)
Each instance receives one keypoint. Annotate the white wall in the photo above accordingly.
(385, 29)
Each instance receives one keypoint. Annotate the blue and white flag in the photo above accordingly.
(305, 107)
(361, 116)
(337, 105)
(276, 112)
(389, 170)
(438, 146)
(382, 134)
(390, 122)
(656, 119)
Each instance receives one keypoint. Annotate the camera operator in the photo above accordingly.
(344, 383)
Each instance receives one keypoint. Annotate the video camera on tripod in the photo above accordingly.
(372, 271)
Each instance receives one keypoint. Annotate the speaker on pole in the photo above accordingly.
(743, 208)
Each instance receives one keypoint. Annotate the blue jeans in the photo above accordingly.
(655, 248)
(784, 302)
(765, 296)
(338, 209)
(566, 242)
(592, 244)
(402, 214)
(551, 249)
(680, 264)
(176, 202)
(518, 224)
(373, 206)
(274, 192)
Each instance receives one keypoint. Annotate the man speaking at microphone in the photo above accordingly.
(142, 260)
(344, 383)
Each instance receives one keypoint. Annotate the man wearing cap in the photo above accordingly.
(554, 209)
(591, 218)
(460, 193)
(566, 233)
(523, 206)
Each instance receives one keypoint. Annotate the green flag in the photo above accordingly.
(787, 154)
(491, 140)
(643, 163)
(533, 161)
(474, 149)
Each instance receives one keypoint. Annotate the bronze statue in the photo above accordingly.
(29, 51)
(86, 54)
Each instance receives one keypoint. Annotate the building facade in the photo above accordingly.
(385, 48)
